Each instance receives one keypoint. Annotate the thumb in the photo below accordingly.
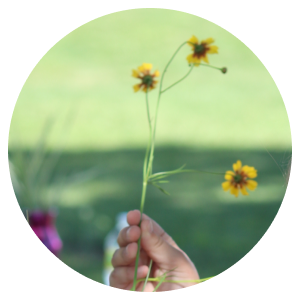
(158, 249)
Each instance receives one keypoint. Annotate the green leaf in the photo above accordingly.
(146, 280)
(159, 187)
(160, 281)
(161, 175)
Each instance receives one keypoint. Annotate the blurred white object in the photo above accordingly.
(111, 245)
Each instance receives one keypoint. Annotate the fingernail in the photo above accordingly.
(147, 229)
(128, 233)
(150, 228)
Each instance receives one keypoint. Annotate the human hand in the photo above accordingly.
(157, 245)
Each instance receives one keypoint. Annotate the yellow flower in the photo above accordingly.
(143, 72)
(200, 50)
(240, 179)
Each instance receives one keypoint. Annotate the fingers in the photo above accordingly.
(128, 235)
(158, 249)
(122, 276)
(125, 255)
(133, 219)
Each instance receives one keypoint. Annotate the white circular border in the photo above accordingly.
(127, 6)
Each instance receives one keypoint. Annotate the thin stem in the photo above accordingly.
(148, 110)
(148, 274)
(145, 180)
(156, 279)
(139, 241)
(159, 174)
(188, 73)
(149, 160)
(157, 105)
(146, 160)
(206, 65)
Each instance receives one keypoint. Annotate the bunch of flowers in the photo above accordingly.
(240, 179)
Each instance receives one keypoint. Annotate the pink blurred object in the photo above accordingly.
(43, 225)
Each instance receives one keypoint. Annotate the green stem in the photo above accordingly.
(148, 111)
(161, 175)
(148, 274)
(139, 241)
(146, 160)
(145, 182)
(206, 65)
(149, 160)
(156, 279)
(157, 105)
(188, 73)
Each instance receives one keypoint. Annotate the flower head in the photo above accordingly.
(239, 179)
(200, 50)
(148, 82)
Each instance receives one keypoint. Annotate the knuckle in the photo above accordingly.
(114, 258)
(122, 236)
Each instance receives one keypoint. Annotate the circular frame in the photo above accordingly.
(117, 8)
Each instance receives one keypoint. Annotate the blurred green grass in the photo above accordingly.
(208, 122)
(213, 227)
(89, 71)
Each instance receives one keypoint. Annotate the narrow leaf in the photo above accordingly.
(160, 188)
(146, 280)
(160, 282)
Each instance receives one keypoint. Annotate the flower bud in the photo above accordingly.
(224, 70)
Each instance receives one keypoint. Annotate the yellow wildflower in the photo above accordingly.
(143, 72)
(200, 50)
(239, 179)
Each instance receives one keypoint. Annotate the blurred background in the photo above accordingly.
(78, 137)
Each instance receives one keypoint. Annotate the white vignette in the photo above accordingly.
(163, 4)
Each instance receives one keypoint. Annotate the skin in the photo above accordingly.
(157, 245)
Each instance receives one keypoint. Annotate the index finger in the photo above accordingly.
(134, 217)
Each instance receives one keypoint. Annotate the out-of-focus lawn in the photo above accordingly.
(213, 227)
(90, 71)
(208, 122)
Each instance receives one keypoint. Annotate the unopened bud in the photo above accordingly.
(224, 70)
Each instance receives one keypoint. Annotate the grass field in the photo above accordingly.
(208, 122)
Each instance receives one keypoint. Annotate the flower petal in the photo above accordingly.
(226, 185)
(204, 58)
(135, 73)
(234, 191)
(193, 60)
(145, 67)
(249, 171)
(251, 184)
(237, 166)
(208, 41)
(193, 40)
(136, 87)
(190, 58)
(229, 175)
(156, 73)
(244, 191)
(252, 174)
(213, 49)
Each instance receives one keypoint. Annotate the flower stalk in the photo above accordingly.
(148, 82)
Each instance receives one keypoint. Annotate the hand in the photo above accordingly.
(157, 245)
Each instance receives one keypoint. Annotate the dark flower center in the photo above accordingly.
(237, 178)
(199, 48)
(147, 80)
